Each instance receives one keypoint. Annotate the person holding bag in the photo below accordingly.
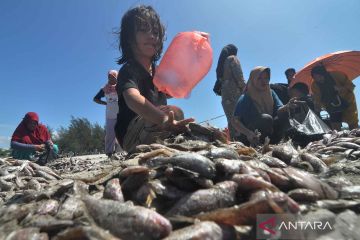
(144, 116)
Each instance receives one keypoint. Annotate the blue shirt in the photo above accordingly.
(245, 108)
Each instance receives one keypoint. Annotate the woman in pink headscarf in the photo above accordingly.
(31, 137)
(111, 103)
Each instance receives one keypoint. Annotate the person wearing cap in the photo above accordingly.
(112, 109)
(30, 137)
(334, 92)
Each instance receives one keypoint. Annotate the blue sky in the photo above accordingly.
(55, 54)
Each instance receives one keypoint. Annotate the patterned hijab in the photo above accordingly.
(262, 99)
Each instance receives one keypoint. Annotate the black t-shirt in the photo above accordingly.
(133, 75)
(281, 89)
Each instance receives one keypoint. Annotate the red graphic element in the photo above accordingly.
(271, 223)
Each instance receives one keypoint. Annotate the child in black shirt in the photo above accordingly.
(143, 114)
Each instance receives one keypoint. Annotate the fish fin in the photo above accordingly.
(150, 198)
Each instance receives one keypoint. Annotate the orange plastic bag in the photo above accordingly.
(187, 60)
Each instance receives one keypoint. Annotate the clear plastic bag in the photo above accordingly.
(311, 125)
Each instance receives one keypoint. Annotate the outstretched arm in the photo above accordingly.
(140, 105)
(27, 147)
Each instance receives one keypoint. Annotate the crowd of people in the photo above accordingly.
(137, 113)
(261, 109)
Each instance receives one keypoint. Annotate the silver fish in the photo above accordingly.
(27, 233)
(303, 195)
(191, 161)
(113, 190)
(318, 165)
(221, 195)
(204, 230)
(85, 232)
(129, 222)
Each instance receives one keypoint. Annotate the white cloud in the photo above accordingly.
(5, 142)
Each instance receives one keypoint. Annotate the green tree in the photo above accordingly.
(4, 152)
(81, 137)
(51, 131)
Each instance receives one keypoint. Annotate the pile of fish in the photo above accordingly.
(195, 185)
(80, 164)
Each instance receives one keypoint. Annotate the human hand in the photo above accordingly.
(50, 144)
(40, 147)
(295, 103)
(170, 124)
(292, 103)
(253, 138)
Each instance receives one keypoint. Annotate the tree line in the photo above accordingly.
(80, 137)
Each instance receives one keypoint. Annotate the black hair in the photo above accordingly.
(301, 87)
(289, 70)
(144, 18)
(227, 51)
(319, 69)
(328, 91)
